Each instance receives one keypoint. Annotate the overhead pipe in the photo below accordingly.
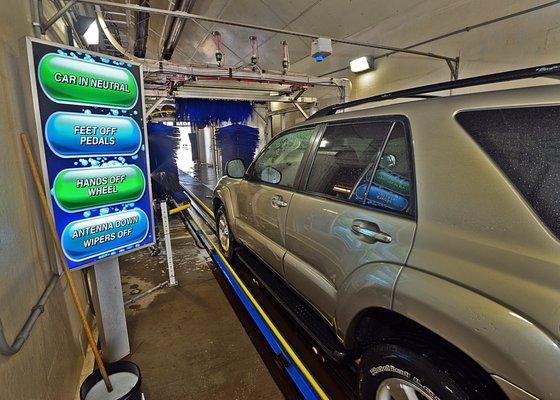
(164, 28)
(175, 29)
(36, 15)
(130, 39)
(142, 28)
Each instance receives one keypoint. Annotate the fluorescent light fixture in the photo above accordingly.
(361, 64)
(88, 28)
(92, 34)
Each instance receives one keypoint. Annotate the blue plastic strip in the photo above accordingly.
(295, 374)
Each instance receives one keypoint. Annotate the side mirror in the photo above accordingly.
(271, 175)
(235, 168)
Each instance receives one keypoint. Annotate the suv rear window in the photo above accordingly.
(525, 144)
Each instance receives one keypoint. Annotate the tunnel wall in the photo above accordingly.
(48, 366)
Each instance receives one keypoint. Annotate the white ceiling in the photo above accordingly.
(334, 18)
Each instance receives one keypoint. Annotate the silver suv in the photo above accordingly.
(425, 236)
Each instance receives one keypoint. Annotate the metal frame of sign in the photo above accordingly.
(41, 139)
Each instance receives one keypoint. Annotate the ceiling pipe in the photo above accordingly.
(175, 29)
(131, 30)
(165, 27)
(183, 15)
(142, 27)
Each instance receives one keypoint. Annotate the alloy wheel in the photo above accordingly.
(223, 232)
(400, 389)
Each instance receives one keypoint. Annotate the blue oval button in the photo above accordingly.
(75, 134)
(95, 236)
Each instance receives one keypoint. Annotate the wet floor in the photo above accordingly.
(187, 340)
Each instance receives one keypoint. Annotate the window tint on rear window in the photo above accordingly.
(525, 144)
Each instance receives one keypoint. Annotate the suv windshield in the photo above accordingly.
(525, 144)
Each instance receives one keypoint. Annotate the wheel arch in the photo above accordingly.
(216, 204)
(222, 197)
(381, 325)
(501, 340)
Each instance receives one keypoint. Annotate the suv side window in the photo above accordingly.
(347, 157)
(279, 163)
(391, 185)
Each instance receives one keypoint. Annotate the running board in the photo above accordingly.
(301, 312)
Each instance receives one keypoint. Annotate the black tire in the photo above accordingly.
(431, 375)
(229, 250)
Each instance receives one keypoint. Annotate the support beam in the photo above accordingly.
(57, 16)
(111, 37)
(155, 105)
(300, 109)
(70, 19)
(287, 110)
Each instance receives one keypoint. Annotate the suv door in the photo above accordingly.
(264, 196)
(347, 216)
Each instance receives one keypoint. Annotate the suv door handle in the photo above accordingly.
(369, 232)
(278, 202)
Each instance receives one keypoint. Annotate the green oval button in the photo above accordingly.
(73, 81)
(78, 189)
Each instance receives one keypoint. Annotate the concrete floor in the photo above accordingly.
(187, 340)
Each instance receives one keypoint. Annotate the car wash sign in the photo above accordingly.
(90, 119)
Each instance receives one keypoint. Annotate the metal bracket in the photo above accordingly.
(301, 110)
(454, 68)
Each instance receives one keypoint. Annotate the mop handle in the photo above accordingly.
(58, 247)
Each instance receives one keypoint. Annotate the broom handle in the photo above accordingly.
(58, 246)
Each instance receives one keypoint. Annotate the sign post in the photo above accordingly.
(107, 296)
(92, 140)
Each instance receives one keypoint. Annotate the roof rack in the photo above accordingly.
(420, 91)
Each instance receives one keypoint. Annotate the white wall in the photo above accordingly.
(49, 364)
(519, 42)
